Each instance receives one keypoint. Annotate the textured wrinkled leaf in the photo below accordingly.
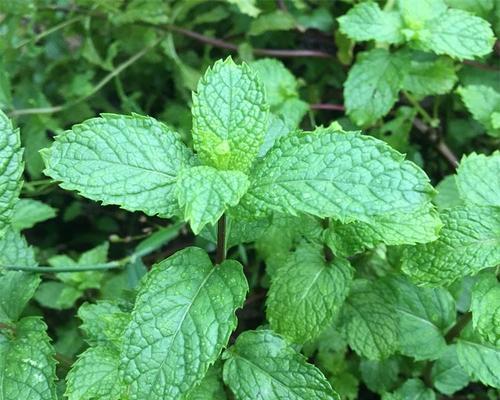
(485, 307)
(412, 389)
(468, 242)
(11, 170)
(333, 174)
(204, 193)
(263, 366)
(480, 360)
(131, 161)
(229, 116)
(484, 104)
(306, 293)
(366, 21)
(96, 375)
(183, 316)
(478, 179)
(425, 314)
(422, 226)
(372, 86)
(27, 367)
(16, 287)
(458, 34)
(447, 375)
(370, 320)
(429, 77)
(28, 212)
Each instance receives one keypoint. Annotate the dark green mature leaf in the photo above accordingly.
(183, 316)
(469, 242)
(211, 387)
(412, 389)
(11, 170)
(229, 116)
(370, 320)
(380, 376)
(447, 375)
(306, 293)
(328, 173)
(132, 161)
(27, 367)
(263, 366)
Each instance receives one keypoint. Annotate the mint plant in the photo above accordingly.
(241, 249)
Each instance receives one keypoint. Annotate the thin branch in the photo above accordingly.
(458, 327)
(76, 268)
(221, 240)
(326, 106)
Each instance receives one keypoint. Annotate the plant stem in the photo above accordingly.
(425, 115)
(458, 327)
(48, 32)
(327, 252)
(325, 106)
(7, 327)
(221, 240)
(76, 268)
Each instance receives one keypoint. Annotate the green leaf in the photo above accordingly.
(429, 77)
(11, 170)
(412, 389)
(229, 116)
(27, 367)
(204, 193)
(380, 376)
(469, 242)
(425, 314)
(274, 21)
(447, 194)
(416, 12)
(211, 387)
(16, 287)
(246, 7)
(263, 366)
(458, 34)
(370, 320)
(131, 161)
(183, 316)
(328, 173)
(28, 212)
(372, 86)
(478, 179)
(366, 21)
(422, 226)
(306, 293)
(57, 295)
(480, 360)
(447, 375)
(96, 375)
(485, 307)
(483, 102)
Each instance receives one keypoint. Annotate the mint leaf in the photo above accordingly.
(416, 12)
(421, 226)
(274, 21)
(28, 212)
(485, 307)
(369, 319)
(229, 116)
(425, 314)
(96, 375)
(478, 179)
(380, 376)
(468, 242)
(334, 174)
(413, 389)
(480, 360)
(246, 7)
(211, 387)
(27, 367)
(16, 287)
(483, 102)
(458, 34)
(366, 21)
(204, 193)
(426, 77)
(372, 86)
(306, 293)
(263, 366)
(447, 194)
(447, 375)
(131, 161)
(11, 170)
(183, 316)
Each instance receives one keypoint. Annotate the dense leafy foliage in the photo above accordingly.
(314, 216)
